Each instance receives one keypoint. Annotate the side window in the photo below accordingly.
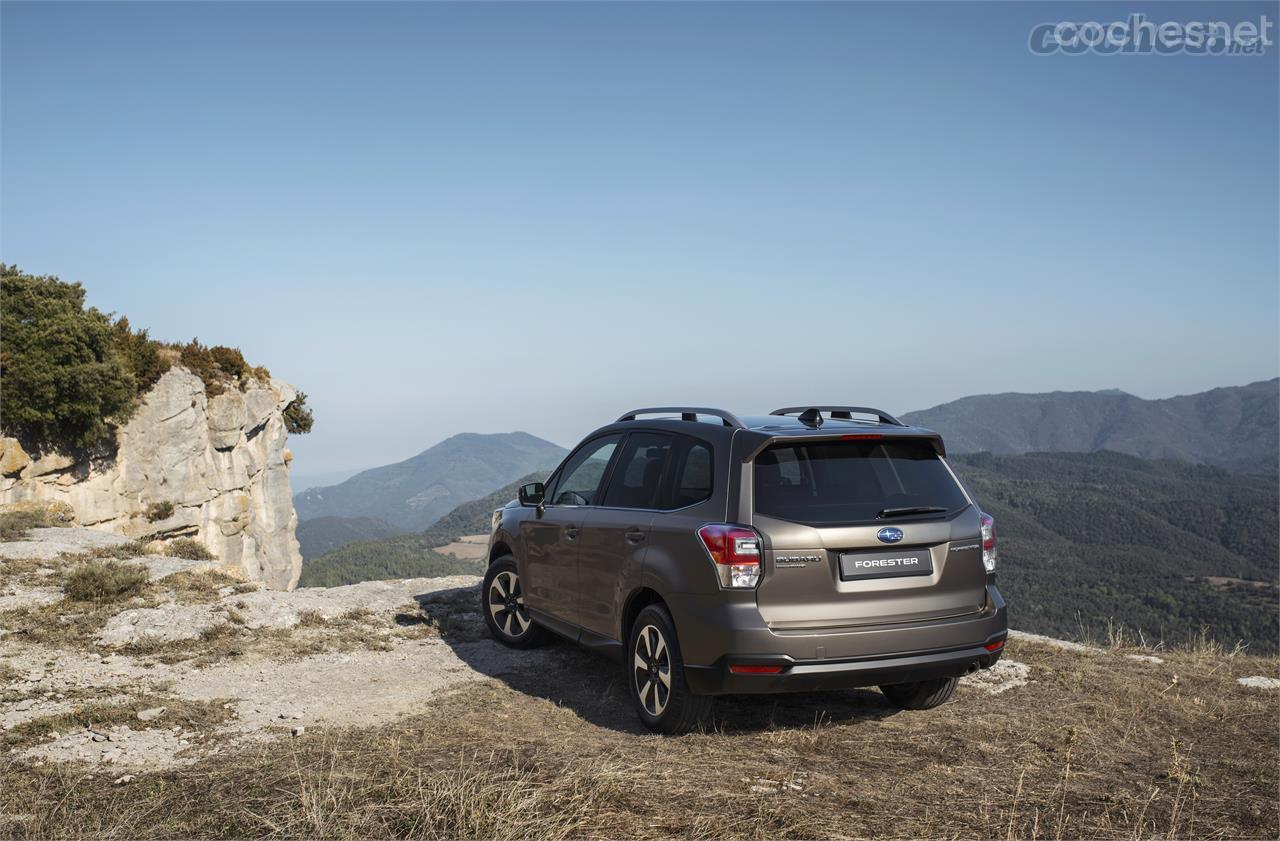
(638, 476)
(693, 478)
(691, 474)
(580, 479)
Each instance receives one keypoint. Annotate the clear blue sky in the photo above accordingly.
(439, 218)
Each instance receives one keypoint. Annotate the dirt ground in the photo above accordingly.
(410, 722)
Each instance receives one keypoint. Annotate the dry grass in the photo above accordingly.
(64, 624)
(14, 525)
(188, 549)
(201, 586)
(200, 715)
(104, 581)
(157, 511)
(314, 634)
(1096, 746)
(18, 518)
(121, 552)
(34, 572)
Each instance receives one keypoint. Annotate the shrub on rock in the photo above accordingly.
(187, 549)
(104, 581)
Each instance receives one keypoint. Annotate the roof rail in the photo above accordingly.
(839, 413)
(688, 413)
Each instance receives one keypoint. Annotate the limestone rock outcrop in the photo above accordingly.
(215, 469)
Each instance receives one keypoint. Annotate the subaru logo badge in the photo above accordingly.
(889, 535)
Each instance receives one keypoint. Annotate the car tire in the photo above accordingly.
(502, 604)
(921, 695)
(656, 679)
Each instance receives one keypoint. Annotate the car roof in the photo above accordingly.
(770, 426)
(786, 424)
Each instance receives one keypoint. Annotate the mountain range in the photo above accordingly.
(409, 555)
(1235, 427)
(412, 494)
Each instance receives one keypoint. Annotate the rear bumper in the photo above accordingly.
(717, 633)
(815, 675)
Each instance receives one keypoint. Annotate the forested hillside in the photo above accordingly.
(324, 534)
(1160, 547)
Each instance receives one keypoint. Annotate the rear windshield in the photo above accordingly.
(845, 482)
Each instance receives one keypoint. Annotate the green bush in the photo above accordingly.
(191, 550)
(62, 375)
(68, 373)
(142, 354)
(157, 511)
(297, 416)
(104, 581)
(219, 367)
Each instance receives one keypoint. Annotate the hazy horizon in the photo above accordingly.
(333, 477)
(443, 218)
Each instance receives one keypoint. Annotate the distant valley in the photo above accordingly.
(412, 494)
(410, 555)
(324, 534)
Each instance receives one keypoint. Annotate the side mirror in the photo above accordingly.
(532, 493)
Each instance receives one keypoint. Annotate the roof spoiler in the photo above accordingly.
(932, 438)
(687, 413)
(812, 415)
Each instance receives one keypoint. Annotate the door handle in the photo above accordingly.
(571, 532)
(634, 535)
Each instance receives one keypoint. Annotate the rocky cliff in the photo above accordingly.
(215, 469)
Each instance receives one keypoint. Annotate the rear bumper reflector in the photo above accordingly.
(994, 646)
(755, 670)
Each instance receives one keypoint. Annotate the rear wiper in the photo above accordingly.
(915, 509)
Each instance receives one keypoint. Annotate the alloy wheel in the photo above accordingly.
(652, 669)
(506, 604)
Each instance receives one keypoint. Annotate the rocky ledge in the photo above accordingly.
(215, 469)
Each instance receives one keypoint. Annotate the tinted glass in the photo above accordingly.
(834, 482)
(580, 479)
(638, 476)
(692, 475)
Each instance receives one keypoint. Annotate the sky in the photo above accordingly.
(436, 218)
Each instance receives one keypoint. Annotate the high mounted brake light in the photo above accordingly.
(861, 437)
(735, 551)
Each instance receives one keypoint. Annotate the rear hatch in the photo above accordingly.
(863, 532)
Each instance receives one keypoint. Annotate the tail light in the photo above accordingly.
(989, 542)
(736, 552)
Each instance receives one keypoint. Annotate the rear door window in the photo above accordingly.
(850, 482)
(637, 479)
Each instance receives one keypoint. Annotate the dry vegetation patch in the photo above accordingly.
(100, 715)
(1095, 746)
(104, 581)
(314, 634)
